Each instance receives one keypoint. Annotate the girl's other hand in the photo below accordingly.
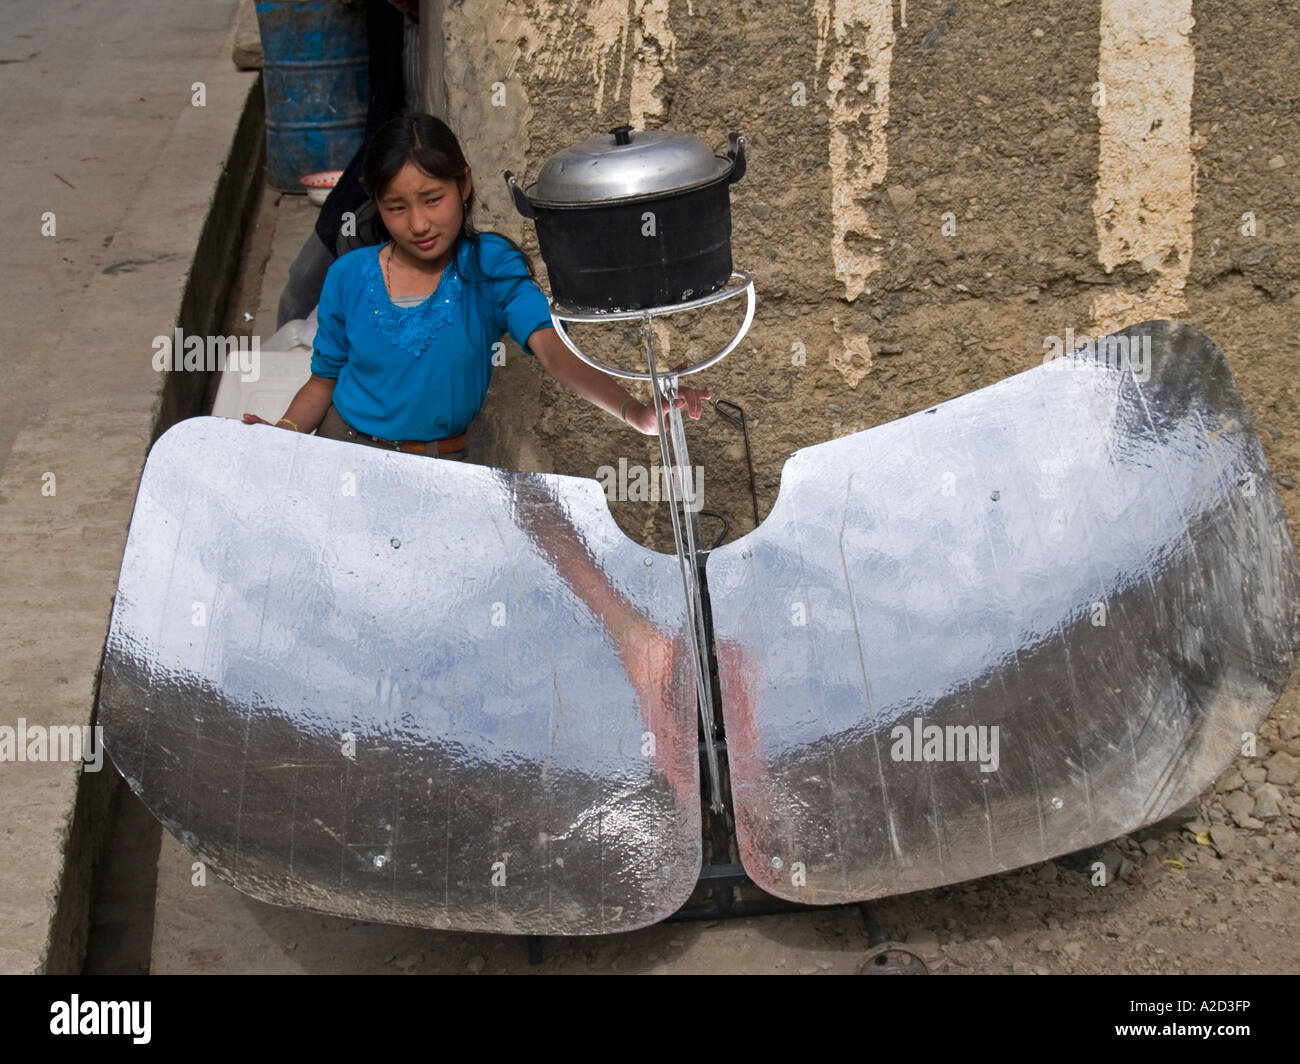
(643, 419)
(693, 400)
(690, 398)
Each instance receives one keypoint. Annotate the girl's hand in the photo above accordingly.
(691, 398)
(643, 418)
(253, 419)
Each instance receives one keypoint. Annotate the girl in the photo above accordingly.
(403, 349)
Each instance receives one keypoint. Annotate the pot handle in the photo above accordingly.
(736, 153)
(522, 203)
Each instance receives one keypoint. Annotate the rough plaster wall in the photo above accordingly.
(1146, 174)
(933, 194)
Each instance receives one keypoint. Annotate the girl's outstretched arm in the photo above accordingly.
(600, 389)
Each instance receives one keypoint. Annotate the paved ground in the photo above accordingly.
(105, 152)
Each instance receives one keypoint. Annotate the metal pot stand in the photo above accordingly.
(664, 386)
(426, 693)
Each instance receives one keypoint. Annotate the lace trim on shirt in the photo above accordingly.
(412, 328)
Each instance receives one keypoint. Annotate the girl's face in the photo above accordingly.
(423, 214)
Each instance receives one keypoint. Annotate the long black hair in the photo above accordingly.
(429, 144)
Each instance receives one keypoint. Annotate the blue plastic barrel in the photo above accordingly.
(317, 86)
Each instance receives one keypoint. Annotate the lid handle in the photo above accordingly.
(622, 134)
(736, 152)
(522, 203)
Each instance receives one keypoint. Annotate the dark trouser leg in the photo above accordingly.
(306, 278)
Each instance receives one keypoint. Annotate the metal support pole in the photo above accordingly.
(672, 446)
(676, 459)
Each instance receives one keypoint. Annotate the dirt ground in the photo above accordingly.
(991, 121)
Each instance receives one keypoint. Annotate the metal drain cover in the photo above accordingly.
(892, 960)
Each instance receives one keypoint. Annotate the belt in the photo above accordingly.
(446, 445)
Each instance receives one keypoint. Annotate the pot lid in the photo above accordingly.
(623, 164)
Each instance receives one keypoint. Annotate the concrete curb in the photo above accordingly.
(233, 195)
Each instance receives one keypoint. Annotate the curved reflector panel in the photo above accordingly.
(403, 689)
(1028, 620)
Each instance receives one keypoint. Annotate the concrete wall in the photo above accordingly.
(935, 189)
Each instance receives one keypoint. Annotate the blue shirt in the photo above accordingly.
(421, 373)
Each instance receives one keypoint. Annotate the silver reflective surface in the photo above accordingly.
(403, 689)
(1096, 566)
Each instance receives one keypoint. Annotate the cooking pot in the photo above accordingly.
(631, 220)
